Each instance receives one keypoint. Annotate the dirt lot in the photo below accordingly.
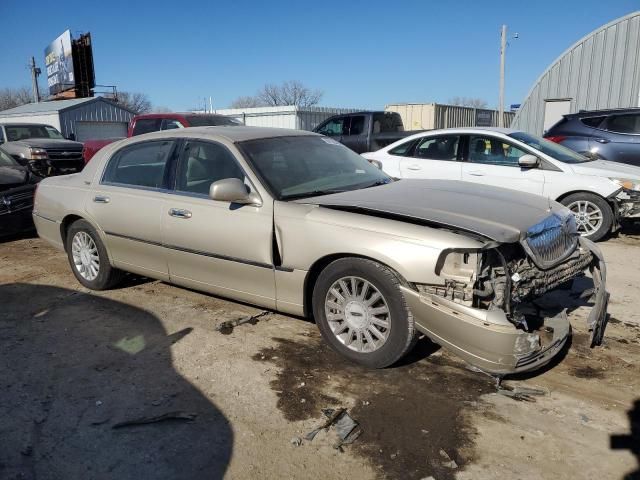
(75, 364)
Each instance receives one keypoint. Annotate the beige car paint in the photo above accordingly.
(306, 234)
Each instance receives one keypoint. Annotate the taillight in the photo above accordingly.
(556, 138)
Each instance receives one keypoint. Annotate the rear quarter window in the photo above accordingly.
(593, 122)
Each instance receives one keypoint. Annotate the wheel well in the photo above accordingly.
(320, 265)
(565, 195)
(64, 227)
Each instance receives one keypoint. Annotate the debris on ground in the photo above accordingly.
(447, 460)
(182, 416)
(347, 428)
(521, 394)
(226, 327)
(296, 441)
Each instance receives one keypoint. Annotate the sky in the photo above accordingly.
(361, 54)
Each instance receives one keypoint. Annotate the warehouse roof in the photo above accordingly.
(55, 106)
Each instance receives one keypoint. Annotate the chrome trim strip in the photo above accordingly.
(43, 217)
(204, 254)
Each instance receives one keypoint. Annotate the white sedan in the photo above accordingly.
(599, 192)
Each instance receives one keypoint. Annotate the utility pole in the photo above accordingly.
(503, 51)
(35, 72)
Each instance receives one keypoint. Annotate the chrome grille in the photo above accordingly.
(64, 154)
(552, 240)
(16, 201)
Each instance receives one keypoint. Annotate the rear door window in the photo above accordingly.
(170, 124)
(146, 125)
(438, 148)
(624, 123)
(387, 122)
(141, 165)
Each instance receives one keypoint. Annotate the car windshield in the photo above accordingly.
(23, 132)
(550, 148)
(6, 160)
(211, 120)
(305, 166)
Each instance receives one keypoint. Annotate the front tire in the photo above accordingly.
(594, 216)
(88, 257)
(361, 312)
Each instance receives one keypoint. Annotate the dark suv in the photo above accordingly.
(605, 134)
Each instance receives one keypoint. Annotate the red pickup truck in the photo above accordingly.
(153, 122)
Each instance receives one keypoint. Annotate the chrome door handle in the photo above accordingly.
(601, 140)
(414, 167)
(179, 213)
(101, 199)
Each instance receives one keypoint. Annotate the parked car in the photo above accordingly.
(17, 185)
(294, 221)
(598, 192)
(41, 148)
(602, 134)
(364, 131)
(153, 122)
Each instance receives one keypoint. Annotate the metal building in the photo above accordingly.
(602, 70)
(291, 116)
(79, 118)
(428, 116)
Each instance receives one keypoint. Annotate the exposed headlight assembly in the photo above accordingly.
(627, 183)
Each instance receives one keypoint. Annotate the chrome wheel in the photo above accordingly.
(85, 256)
(358, 314)
(589, 217)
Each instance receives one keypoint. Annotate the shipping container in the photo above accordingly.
(299, 118)
(429, 116)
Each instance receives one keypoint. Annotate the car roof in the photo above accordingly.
(597, 113)
(233, 134)
(463, 130)
(177, 115)
(23, 124)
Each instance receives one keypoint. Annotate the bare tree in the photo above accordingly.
(292, 92)
(246, 102)
(14, 97)
(468, 102)
(137, 102)
(161, 109)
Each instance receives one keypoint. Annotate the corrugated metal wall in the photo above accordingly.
(428, 116)
(602, 70)
(98, 111)
(301, 118)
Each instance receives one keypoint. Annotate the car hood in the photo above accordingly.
(49, 143)
(495, 213)
(605, 168)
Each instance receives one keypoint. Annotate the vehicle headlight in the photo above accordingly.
(38, 153)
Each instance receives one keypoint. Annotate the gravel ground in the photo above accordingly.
(75, 366)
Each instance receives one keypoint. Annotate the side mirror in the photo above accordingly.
(233, 190)
(528, 161)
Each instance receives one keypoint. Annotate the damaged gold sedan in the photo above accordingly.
(295, 222)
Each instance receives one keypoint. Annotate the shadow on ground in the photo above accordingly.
(73, 366)
(630, 441)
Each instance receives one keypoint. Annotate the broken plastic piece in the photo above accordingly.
(332, 416)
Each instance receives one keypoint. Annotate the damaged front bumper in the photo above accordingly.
(627, 203)
(487, 339)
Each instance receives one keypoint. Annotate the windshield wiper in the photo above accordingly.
(377, 183)
(314, 193)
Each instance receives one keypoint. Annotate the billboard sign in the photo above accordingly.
(484, 118)
(59, 62)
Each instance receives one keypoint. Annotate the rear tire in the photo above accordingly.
(361, 312)
(88, 257)
(594, 216)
